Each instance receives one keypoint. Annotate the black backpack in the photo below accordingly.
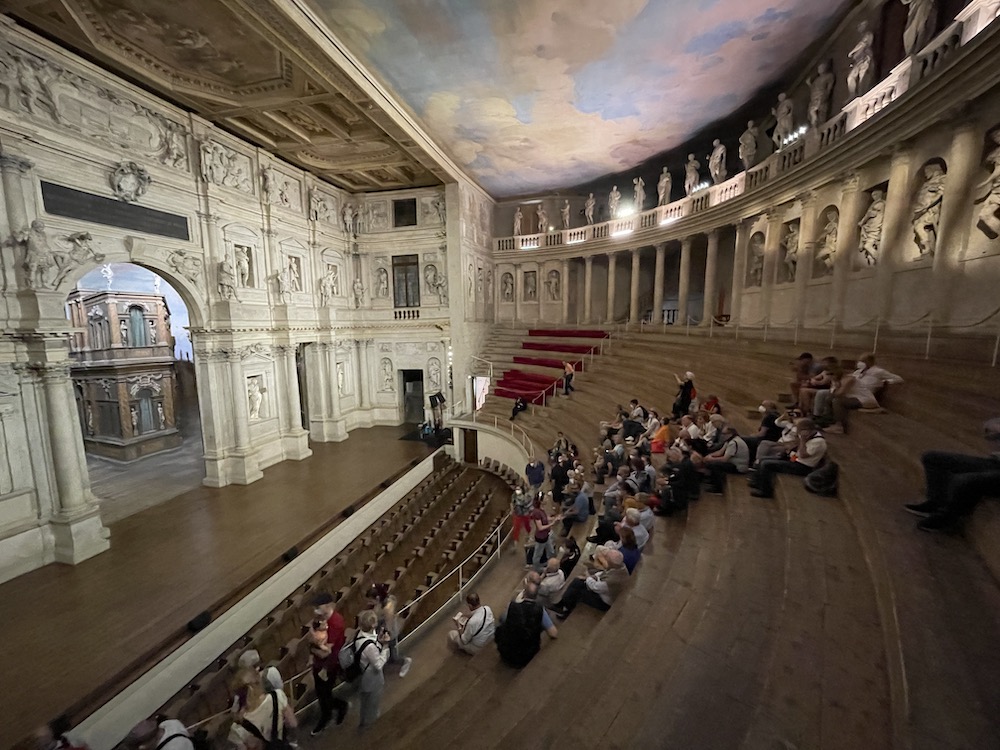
(519, 636)
(823, 481)
(350, 659)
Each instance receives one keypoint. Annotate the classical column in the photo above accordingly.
(772, 248)
(711, 278)
(518, 291)
(661, 256)
(852, 208)
(332, 385)
(739, 271)
(12, 171)
(292, 388)
(807, 254)
(612, 261)
(364, 373)
(897, 223)
(241, 411)
(588, 288)
(959, 183)
(633, 299)
(64, 434)
(565, 291)
(684, 281)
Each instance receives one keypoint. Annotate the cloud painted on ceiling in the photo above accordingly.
(535, 95)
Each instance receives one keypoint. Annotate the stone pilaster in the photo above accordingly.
(896, 224)
(739, 271)
(851, 210)
(684, 281)
(633, 301)
(661, 256)
(711, 278)
(807, 254)
(612, 265)
(588, 289)
(772, 248)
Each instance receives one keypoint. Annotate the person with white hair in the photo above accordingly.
(597, 589)
(369, 648)
(169, 734)
(633, 519)
(685, 394)
(268, 715)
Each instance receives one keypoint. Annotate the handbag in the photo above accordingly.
(276, 742)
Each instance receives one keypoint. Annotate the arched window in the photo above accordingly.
(146, 408)
(137, 332)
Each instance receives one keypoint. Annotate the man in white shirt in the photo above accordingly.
(551, 582)
(167, 735)
(474, 632)
(808, 455)
(874, 378)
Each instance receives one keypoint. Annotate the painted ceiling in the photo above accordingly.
(534, 95)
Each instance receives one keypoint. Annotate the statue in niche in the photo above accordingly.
(479, 281)
(470, 283)
(269, 184)
(90, 419)
(161, 416)
(341, 379)
(692, 175)
(614, 198)
(639, 193)
(243, 264)
(927, 209)
(989, 190)
(828, 249)
(518, 218)
(791, 244)
(543, 219)
(382, 283)
(255, 397)
(820, 89)
(173, 146)
(530, 286)
(388, 375)
(748, 145)
(123, 332)
(284, 285)
(152, 333)
(588, 208)
(227, 278)
(319, 208)
(871, 228)
(663, 186)
(349, 217)
(436, 282)
(564, 211)
(329, 285)
(784, 125)
(440, 207)
(489, 285)
(359, 292)
(134, 418)
(862, 60)
(507, 287)
(434, 373)
(918, 27)
(38, 257)
(757, 260)
(553, 286)
(294, 274)
(717, 162)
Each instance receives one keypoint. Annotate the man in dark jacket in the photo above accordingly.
(535, 472)
(519, 635)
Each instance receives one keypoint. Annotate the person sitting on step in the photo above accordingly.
(808, 455)
(876, 379)
(519, 405)
(784, 445)
(767, 430)
(732, 458)
(597, 589)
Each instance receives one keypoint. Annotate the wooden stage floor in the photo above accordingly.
(66, 629)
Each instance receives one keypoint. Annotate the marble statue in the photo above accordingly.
(349, 219)
(80, 250)
(987, 220)
(518, 218)
(820, 89)
(434, 373)
(294, 275)
(757, 260)
(436, 282)
(227, 278)
(243, 264)
(470, 285)
(129, 182)
(791, 244)
(440, 207)
(553, 286)
(479, 281)
(123, 332)
(90, 420)
(871, 228)
(530, 286)
(109, 275)
(784, 125)
(281, 278)
(255, 398)
(564, 211)
(329, 285)
(319, 208)
(862, 60)
(388, 375)
(748, 145)
(359, 292)
(161, 416)
(919, 24)
(588, 208)
(38, 257)
(382, 284)
(927, 209)
(639, 193)
(134, 417)
(543, 219)
(489, 285)
(614, 198)
(663, 186)
(173, 146)
(507, 287)
(717, 162)
(152, 333)
(828, 249)
(692, 175)
(269, 184)
(341, 379)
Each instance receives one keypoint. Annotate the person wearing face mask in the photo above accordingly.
(521, 504)
(768, 430)
(808, 455)
(876, 379)
(732, 458)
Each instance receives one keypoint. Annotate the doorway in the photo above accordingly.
(470, 446)
(413, 396)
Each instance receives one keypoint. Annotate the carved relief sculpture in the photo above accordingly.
(588, 208)
(820, 89)
(871, 228)
(224, 167)
(717, 162)
(614, 198)
(388, 375)
(349, 218)
(479, 281)
(918, 27)
(341, 379)
(756, 272)
(319, 206)
(134, 418)
(791, 245)
(518, 218)
(255, 396)
(186, 265)
(530, 286)
(784, 124)
(748, 145)
(243, 264)
(329, 285)
(161, 416)
(470, 283)
(828, 249)
(382, 283)
(227, 278)
(359, 292)
(434, 374)
(862, 61)
(489, 285)
(45, 267)
(988, 219)
(151, 336)
(564, 212)
(638, 193)
(507, 287)
(927, 209)
(129, 181)
(553, 287)
(663, 186)
(543, 219)
(692, 174)
(173, 145)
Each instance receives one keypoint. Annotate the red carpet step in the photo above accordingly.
(574, 334)
(546, 362)
(568, 348)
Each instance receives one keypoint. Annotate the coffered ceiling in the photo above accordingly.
(243, 66)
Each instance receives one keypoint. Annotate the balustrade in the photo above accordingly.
(412, 313)
(935, 54)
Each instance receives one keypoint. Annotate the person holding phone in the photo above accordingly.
(809, 454)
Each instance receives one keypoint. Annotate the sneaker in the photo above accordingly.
(936, 522)
(319, 729)
(407, 663)
(923, 509)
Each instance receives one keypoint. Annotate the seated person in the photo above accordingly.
(632, 429)
(607, 527)
(732, 458)
(658, 443)
(617, 490)
(560, 446)
(956, 482)
(569, 556)
(473, 631)
(519, 636)
(576, 507)
(767, 430)
(818, 382)
(551, 581)
(637, 411)
(597, 589)
(626, 546)
(712, 405)
(633, 521)
(808, 455)
(610, 428)
(678, 484)
(846, 394)
(802, 370)
(641, 503)
(876, 379)
(519, 405)
(784, 445)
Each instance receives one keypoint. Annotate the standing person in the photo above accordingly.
(272, 719)
(325, 644)
(685, 394)
(474, 631)
(561, 445)
(542, 526)
(367, 655)
(568, 372)
(165, 735)
(389, 622)
(535, 472)
(560, 477)
(521, 508)
(569, 556)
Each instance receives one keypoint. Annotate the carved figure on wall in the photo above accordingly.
(243, 264)
(294, 273)
(134, 418)
(507, 287)
(717, 162)
(90, 419)
(543, 219)
(80, 251)
(564, 211)
(382, 283)
(38, 256)
(470, 283)
(927, 209)
(988, 220)
(436, 282)
(188, 266)
(123, 332)
(692, 174)
(269, 184)
(871, 228)
(255, 397)
(440, 206)
(791, 244)
(820, 89)
(663, 186)
(553, 286)
(161, 416)
(828, 249)
(129, 181)
(518, 218)
(109, 274)
(227, 278)
(588, 208)
(32, 88)
(756, 260)
(530, 286)
(319, 207)
(489, 285)
(614, 198)
(173, 144)
(281, 280)
(434, 373)
(479, 281)
(341, 379)
(748, 145)
(359, 292)
(918, 28)
(638, 193)
(862, 61)
(221, 166)
(329, 285)
(349, 219)
(388, 375)
(152, 333)
(784, 124)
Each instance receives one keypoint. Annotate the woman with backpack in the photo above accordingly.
(362, 659)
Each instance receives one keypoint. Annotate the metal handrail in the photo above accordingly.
(525, 438)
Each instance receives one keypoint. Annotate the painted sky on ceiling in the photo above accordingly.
(533, 95)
